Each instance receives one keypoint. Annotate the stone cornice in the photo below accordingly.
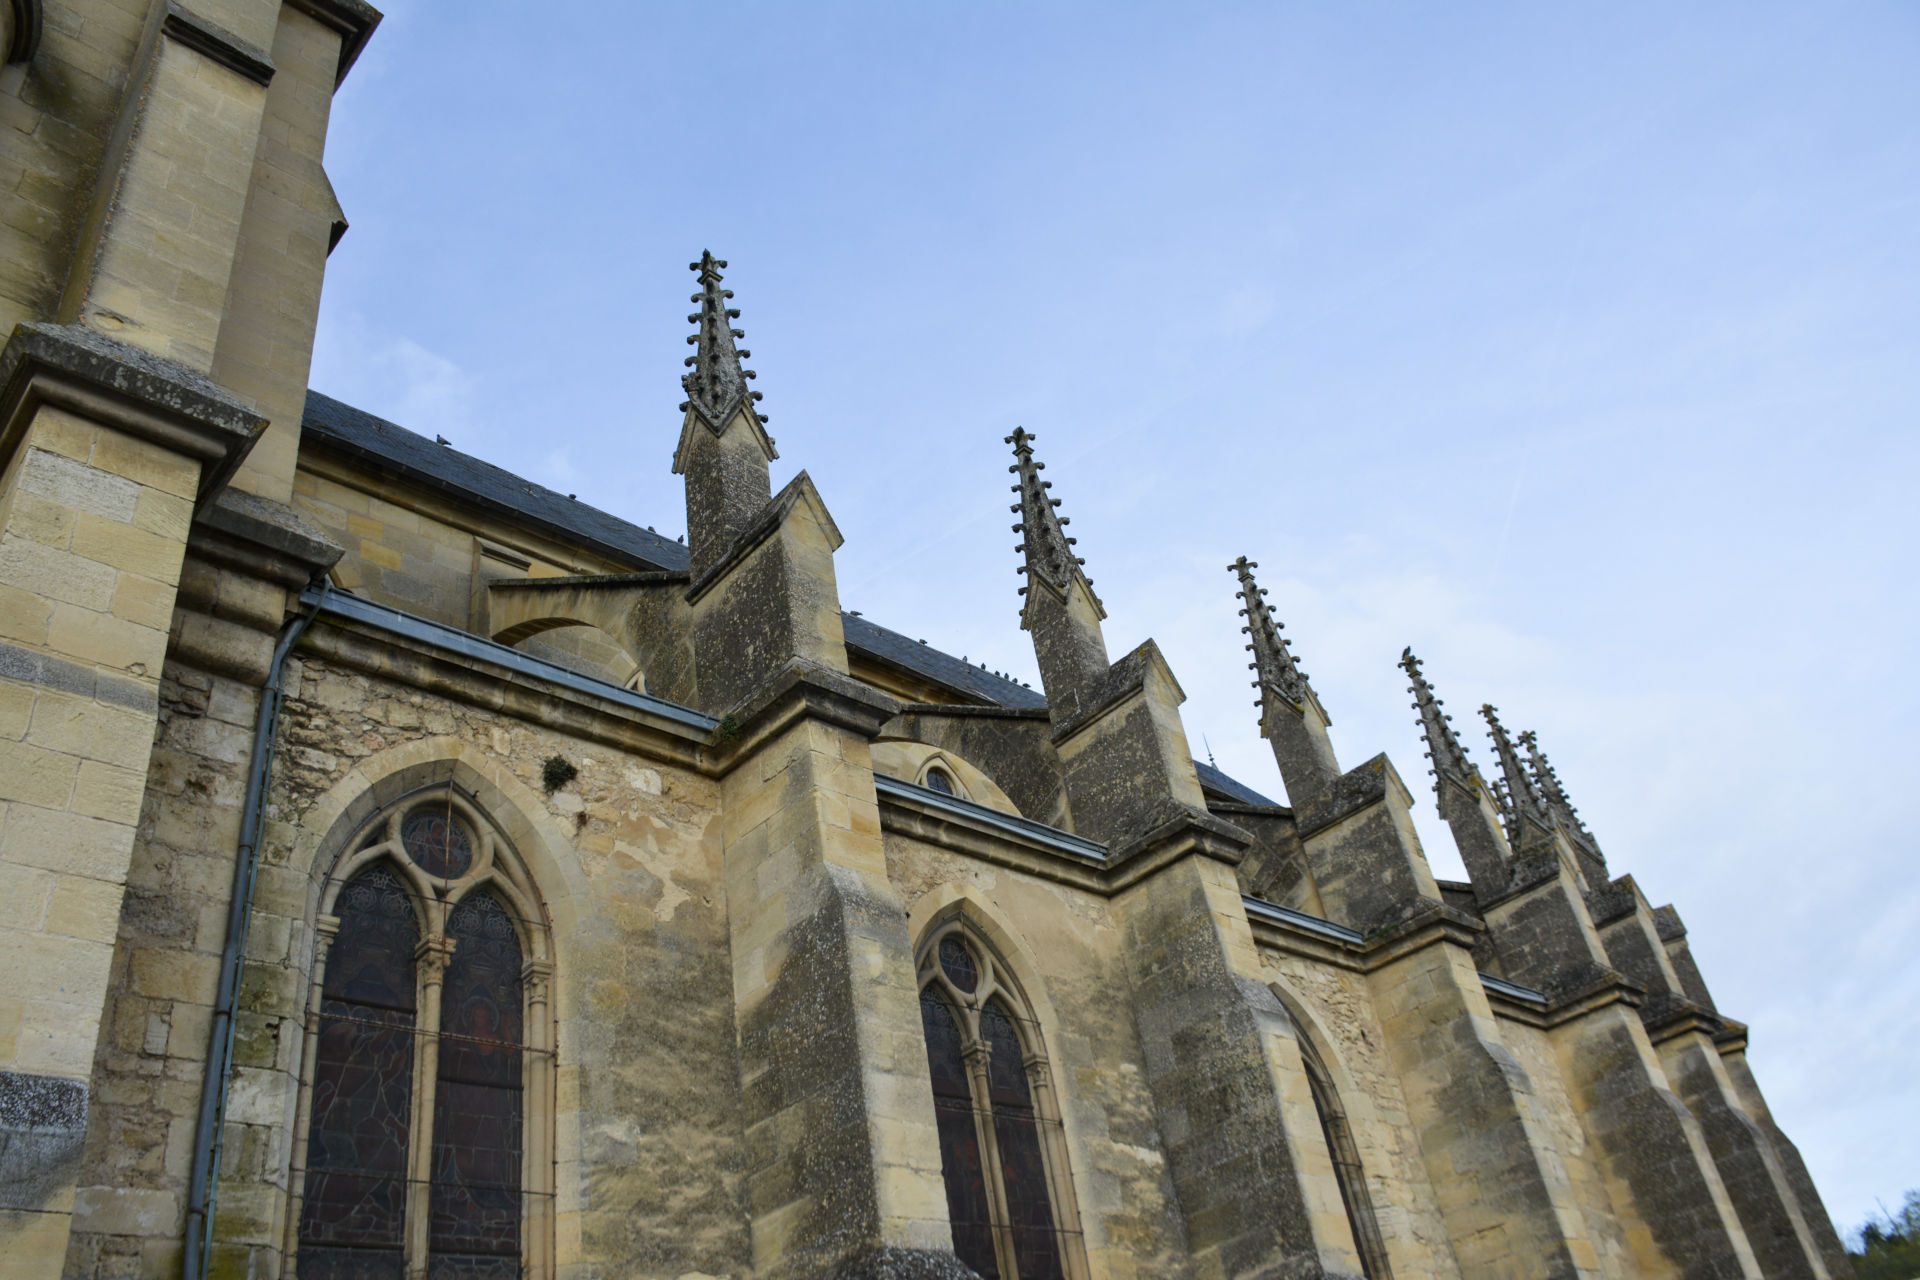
(973, 830)
(353, 19)
(73, 368)
(256, 536)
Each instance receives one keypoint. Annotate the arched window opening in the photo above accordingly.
(940, 780)
(354, 1216)
(1347, 1171)
(428, 1044)
(1002, 1148)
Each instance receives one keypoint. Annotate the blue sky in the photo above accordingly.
(1573, 345)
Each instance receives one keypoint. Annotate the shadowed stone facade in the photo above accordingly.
(826, 953)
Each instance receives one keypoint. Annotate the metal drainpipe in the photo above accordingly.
(213, 1098)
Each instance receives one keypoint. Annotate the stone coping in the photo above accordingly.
(976, 814)
(383, 617)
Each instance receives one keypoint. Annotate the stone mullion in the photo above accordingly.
(978, 1057)
(326, 929)
(1053, 1146)
(536, 1177)
(432, 957)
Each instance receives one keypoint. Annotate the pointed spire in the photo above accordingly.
(1521, 804)
(1555, 796)
(1050, 560)
(1443, 745)
(1060, 613)
(1276, 672)
(1291, 718)
(717, 386)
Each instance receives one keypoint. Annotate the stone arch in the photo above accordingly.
(1346, 1112)
(518, 860)
(1016, 986)
(384, 778)
(615, 606)
(909, 761)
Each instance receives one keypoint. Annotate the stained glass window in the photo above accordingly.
(353, 1218)
(967, 1203)
(1022, 1168)
(437, 843)
(994, 1142)
(474, 1229)
(393, 1185)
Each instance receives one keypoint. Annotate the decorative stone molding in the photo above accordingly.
(69, 366)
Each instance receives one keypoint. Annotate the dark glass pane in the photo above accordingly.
(1347, 1173)
(437, 844)
(320, 1262)
(354, 1213)
(958, 962)
(937, 780)
(960, 1162)
(474, 1224)
(1036, 1246)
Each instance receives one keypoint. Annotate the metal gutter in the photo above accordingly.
(452, 639)
(210, 1129)
(1273, 911)
(1512, 990)
(1063, 841)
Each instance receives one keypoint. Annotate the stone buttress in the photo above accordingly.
(1532, 865)
(1476, 1113)
(1252, 1177)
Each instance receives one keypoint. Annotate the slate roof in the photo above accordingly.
(1211, 779)
(924, 660)
(341, 428)
(391, 449)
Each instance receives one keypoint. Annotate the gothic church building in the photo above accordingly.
(409, 873)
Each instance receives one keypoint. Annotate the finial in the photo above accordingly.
(1443, 745)
(717, 386)
(1044, 541)
(1272, 661)
(1520, 801)
(1552, 792)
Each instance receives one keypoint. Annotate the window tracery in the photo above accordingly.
(1002, 1148)
(425, 1152)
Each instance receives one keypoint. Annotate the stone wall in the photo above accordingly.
(627, 858)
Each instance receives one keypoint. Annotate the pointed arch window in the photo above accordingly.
(1002, 1149)
(425, 1152)
(1347, 1170)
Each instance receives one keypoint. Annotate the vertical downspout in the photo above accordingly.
(213, 1097)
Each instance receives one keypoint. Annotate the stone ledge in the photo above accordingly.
(211, 40)
(261, 537)
(800, 689)
(1186, 831)
(73, 368)
(991, 837)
